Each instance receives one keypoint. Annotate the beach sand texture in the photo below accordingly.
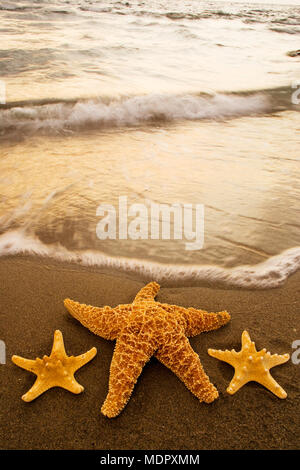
(162, 413)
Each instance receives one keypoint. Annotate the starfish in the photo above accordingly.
(145, 328)
(251, 365)
(57, 370)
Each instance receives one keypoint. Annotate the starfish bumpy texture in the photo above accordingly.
(251, 365)
(145, 328)
(57, 370)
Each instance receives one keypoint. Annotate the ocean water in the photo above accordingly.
(160, 102)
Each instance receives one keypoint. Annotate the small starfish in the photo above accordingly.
(57, 370)
(146, 328)
(251, 365)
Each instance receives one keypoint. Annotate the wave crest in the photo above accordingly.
(61, 117)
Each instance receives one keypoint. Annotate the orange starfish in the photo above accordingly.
(57, 370)
(251, 365)
(146, 328)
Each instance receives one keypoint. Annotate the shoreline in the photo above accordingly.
(162, 413)
(272, 272)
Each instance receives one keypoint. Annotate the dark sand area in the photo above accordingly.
(162, 413)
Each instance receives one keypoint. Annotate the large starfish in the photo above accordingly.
(57, 370)
(146, 328)
(251, 365)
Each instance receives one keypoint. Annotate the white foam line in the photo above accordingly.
(268, 274)
(53, 118)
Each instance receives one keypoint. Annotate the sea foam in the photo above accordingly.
(268, 274)
(53, 118)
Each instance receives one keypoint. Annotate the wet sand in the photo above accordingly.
(162, 413)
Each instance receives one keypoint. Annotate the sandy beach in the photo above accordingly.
(162, 413)
(149, 141)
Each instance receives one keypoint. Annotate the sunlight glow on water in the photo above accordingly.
(150, 132)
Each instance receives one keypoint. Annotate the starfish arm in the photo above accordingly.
(247, 343)
(105, 322)
(58, 348)
(226, 356)
(71, 385)
(40, 386)
(246, 340)
(185, 363)
(237, 382)
(198, 321)
(83, 359)
(149, 292)
(26, 364)
(271, 384)
(275, 359)
(130, 355)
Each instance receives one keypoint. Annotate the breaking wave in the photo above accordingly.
(271, 273)
(58, 117)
